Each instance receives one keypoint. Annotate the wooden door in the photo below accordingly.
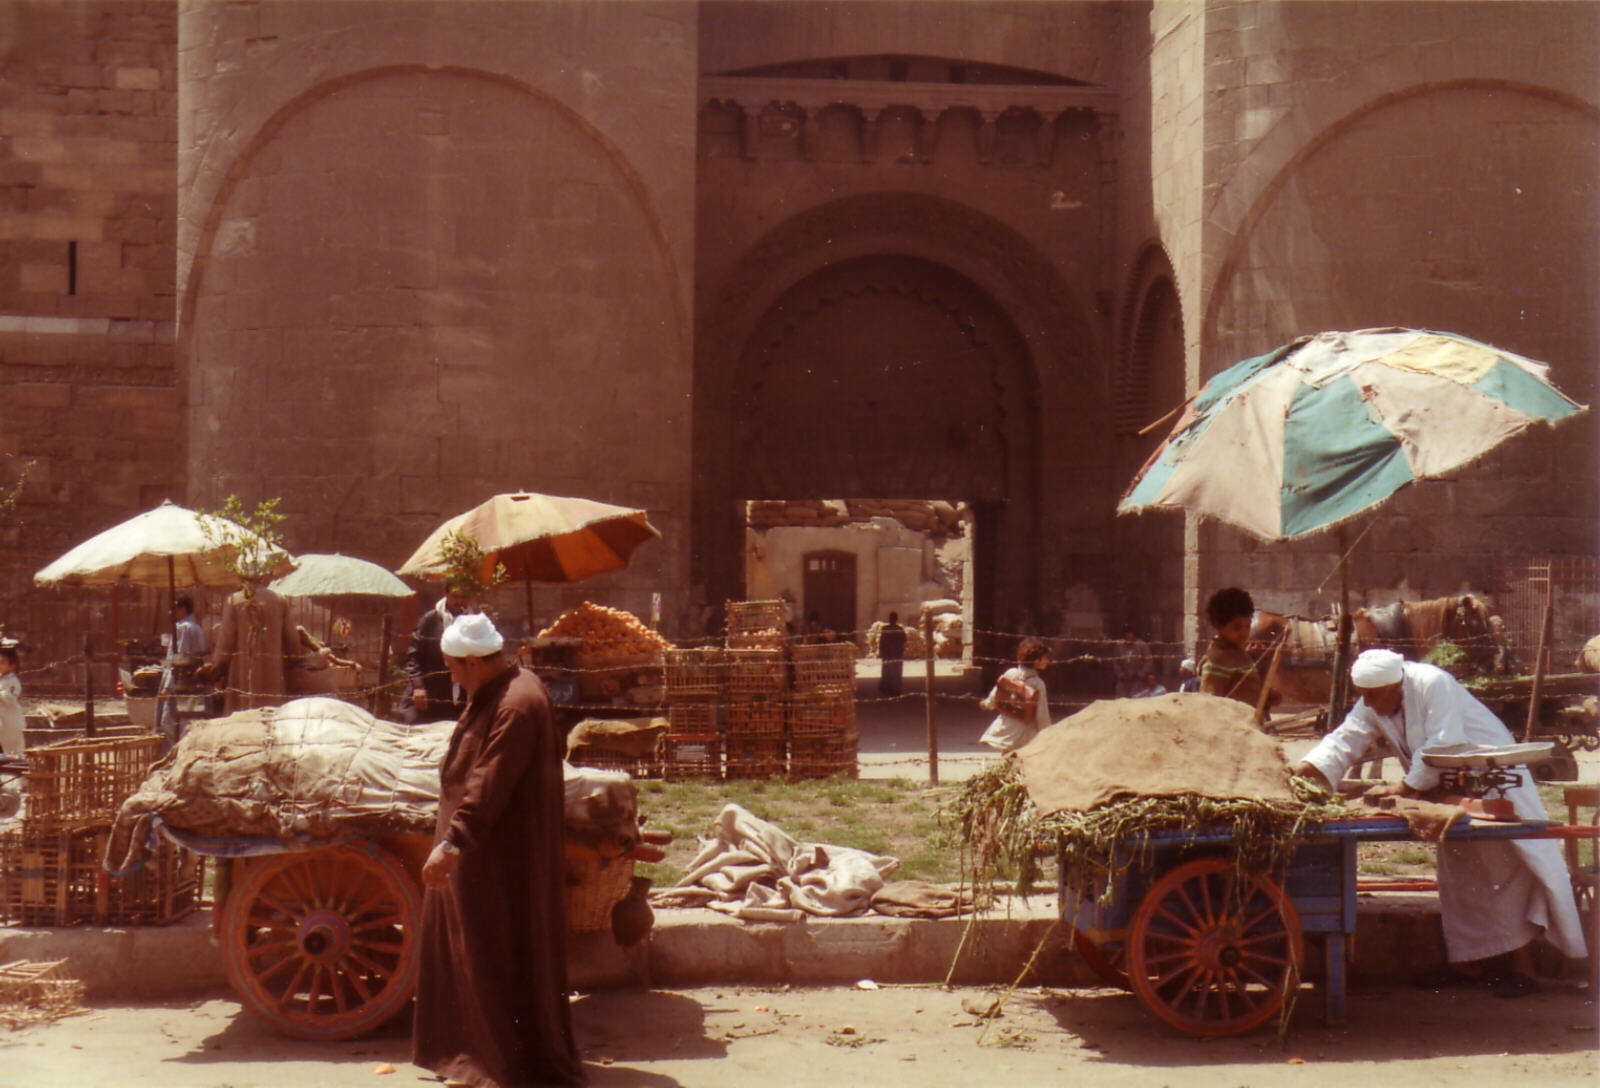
(830, 590)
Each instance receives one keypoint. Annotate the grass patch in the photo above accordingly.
(897, 817)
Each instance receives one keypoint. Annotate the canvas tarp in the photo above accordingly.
(319, 771)
(1160, 746)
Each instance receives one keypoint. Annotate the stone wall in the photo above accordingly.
(433, 252)
(88, 151)
(1001, 186)
(1421, 165)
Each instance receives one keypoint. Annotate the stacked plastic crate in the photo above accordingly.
(821, 711)
(758, 678)
(50, 872)
(694, 691)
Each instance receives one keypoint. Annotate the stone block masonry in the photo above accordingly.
(88, 236)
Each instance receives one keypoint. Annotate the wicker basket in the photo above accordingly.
(53, 877)
(594, 885)
(694, 674)
(77, 782)
(756, 717)
(165, 890)
(756, 672)
(823, 757)
(811, 714)
(50, 876)
(829, 667)
(693, 757)
(759, 758)
(37, 991)
(692, 718)
(757, 624)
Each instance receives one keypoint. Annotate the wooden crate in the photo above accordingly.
(164, 891)
(693, 757)
(825, 667)
(812, 714)
(73, 783)
(755, 757)
(823, 757)
(53, 877)
(692, 717)
(756, 672)
(758, 716)
(50, 876)
(757, 624)
(694, 674)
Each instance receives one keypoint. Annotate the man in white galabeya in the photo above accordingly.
(1495, 896)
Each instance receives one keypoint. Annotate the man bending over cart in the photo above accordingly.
(1495, 896)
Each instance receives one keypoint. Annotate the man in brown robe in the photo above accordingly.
(491, 1005)
(251, 646)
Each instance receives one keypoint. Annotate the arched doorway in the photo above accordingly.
(895, 377)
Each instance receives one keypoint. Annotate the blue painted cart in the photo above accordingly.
(1211, 953)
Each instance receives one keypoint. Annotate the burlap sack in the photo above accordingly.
(319, 771)
(1156, 747)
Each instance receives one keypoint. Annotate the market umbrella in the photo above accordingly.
(1322, 429)
(167, 546)
(336, 575)
(540, 538)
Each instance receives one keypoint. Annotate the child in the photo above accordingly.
(1020, 699)
(12, 741)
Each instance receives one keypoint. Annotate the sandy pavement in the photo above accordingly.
(733, 1037)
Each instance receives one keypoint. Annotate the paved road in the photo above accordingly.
(733, 1037)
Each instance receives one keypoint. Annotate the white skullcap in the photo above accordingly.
(1377, 669)
(472, 635)
(1187, 665)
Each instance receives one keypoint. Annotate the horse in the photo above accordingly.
(1305, 668)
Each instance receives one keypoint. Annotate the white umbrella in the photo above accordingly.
(167, 546)
(339, 576)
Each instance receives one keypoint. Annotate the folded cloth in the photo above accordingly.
(1428, 820)
(628, 736)
(757, 872)
(920, 899)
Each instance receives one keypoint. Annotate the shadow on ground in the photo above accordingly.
(1383, 1025)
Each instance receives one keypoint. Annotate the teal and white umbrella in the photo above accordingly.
(1319, 430)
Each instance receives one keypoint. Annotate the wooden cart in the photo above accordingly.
(1210, 953)
(322, 942)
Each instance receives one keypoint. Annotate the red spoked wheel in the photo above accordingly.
(1211, 953)
(1107, 961)
(323, 944)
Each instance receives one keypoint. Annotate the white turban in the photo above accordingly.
(1377, 669)
(472, 635)
(1186, 665)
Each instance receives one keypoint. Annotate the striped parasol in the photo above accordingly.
(1320, 430)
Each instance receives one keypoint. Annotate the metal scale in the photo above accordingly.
(1472, 770)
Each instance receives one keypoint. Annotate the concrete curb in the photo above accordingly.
(1398, 936)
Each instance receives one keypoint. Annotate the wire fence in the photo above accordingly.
(54, 662)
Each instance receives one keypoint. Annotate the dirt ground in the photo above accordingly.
(738, 1037)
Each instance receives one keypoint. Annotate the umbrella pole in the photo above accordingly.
(116, 636)
(172, 605)
(527, 588)
(1338, 689)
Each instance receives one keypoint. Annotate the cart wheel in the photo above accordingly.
(323, 944)
(1106, 961)
(1210, 957)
